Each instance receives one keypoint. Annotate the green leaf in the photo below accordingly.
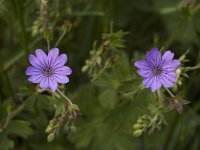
(121, 67)
(5, 142)
(19, 127)
(108, 99)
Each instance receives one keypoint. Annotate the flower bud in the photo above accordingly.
(49, 129)
(48, 34)
(137, 126)
(50, 137)
(66, 26)
(137, 133)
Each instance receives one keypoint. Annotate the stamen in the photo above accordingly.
(157, 70)
(48, 72)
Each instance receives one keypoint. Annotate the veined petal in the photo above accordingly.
(170, 76)
(171, 66)
(52, 55)
(64, 70)
(60, 61)
(153, 57)
(44, 83)
(34, 61)
(142, 64)
(155, 84)
(53, 84)
(42, 57)
(61, 79)
(144, 73)
(32, 70)
(35, 78)
(167, 57)
(147, 82)
(165, 82)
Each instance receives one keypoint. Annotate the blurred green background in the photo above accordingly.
(106, 118)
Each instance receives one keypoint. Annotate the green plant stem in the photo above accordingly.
(48, 45)
(60, 38)
(65, 97)
(160, 98)
(11, 115)
(170, 93)
(195, 67)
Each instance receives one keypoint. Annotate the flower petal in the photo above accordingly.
(142, 64)
(42, 57)
(44, 83)
(35, 78)
(166, 82)
(32, 70)
(172, 66)
(61, 79)
(167, 57)
(52, 55)
(170, 76)
(153, 57)
(60, 61)
(53, 84)
(147, 82)
(64, 70)
(144, 73)
(155, 84)
(34, 61)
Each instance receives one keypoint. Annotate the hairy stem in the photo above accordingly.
(60, 38)
(65, 97)
(170, 93)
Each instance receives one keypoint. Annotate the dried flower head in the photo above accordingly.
(48, 70)
(158, 70)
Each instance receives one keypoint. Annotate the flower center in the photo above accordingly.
(48, 72)
(157, 70)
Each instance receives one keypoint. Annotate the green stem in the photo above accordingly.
(11, 115)
(48, 45)
(170, 93)
(195, 67)
(60, 38)
(160, 98)
(65, 97)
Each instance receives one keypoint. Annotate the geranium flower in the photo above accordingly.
(158, 70)
(48, 70)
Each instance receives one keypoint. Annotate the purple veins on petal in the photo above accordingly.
(61, 79)
(35, 78)
(48, 70)
(52, 55)
(158, 70)
(64, 70)
(155, 85)
(32, 70)
(60, 61)
(42, 57)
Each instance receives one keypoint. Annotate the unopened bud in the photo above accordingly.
(51, 137)
(48, 34)
(137, 126)
(66, 26)
(137, 133)
(84, 68)
(49, 129)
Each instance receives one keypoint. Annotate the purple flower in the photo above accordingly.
(158, 70)
(48, 70)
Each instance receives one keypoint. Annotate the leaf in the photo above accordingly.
(121, 66)
(108, 99)
(20, 128)
(107, 80)
(5, 142)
